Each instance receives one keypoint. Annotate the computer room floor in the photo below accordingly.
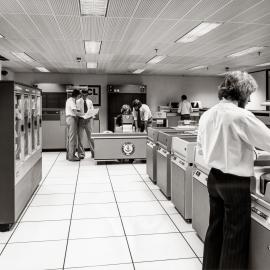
(99, 217)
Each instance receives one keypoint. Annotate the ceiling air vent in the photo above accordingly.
(2, 58)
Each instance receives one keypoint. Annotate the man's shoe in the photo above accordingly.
(81, 157)
(74, 159)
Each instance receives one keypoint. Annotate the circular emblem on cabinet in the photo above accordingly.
(128, 148)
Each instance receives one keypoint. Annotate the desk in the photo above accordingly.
(112, 146)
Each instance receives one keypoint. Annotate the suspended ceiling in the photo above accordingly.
(53, 33)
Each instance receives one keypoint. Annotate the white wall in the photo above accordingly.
(160, 89)
(258, 96)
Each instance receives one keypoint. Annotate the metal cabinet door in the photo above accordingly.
(259, 258)
(149, 159)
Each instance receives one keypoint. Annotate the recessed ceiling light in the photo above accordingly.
(42, 69)
(246, 51)
(93, 7)
(156, 59)
(91, 64)
(197, 32)
(23, 57)
(263, 64)
(197, 67)
(92, 47)
(138, 71)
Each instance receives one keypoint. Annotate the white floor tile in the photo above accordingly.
(201, 259)
(134, 196)
(129, 186)
(107, 267)
(88, 187)
(123, 172)
(181, 224)
(4, 236)
(94, 174)
(152, 186)
(146, 177)
(56, 189)
(95, 211)
(195, 242)
(41, 231)
(60, 181)
(148, 225)
(2, 247)
(140, 208)
(90, 228)
(97, 251)
(34, 256)
(141, 168)
(94, 197)
(185, 264)
(93, 180)
(169, 207)
(63, 174)
(52, 199)
(40, 213)
(159, 247)
(126, 178)
(116, 167)
(159, 195)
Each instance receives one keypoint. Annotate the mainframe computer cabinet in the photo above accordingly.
(20, 146)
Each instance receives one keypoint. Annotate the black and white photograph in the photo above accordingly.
(135, 134)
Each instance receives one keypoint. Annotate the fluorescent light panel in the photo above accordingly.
(23, 57)
(197, 67)
(138, 71)
(246, 51)
(263, 64)
(197, 32)
(1, 36)
(91, 64)
(42, 69)
(92, 47)
(94, 7)
(156, 59)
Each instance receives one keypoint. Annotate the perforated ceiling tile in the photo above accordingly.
(232, 9)
(136, 29)
(114, 28)
(177, 9)
(150, 8)
(37, 7)
(47, 25)
(7, 29)
(70, 27)
(205, 9)
(10, 7)
(121, 8)
(65, 7)
(265, 19)
(252, 14)
(92, 28)
(24, 25)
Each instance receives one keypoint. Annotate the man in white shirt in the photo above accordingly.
(226, 138)
(142, 115)
(184, 108)
(72, 125)
(84, 104)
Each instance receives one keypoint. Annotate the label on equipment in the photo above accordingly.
(128, 148)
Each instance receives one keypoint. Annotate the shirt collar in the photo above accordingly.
(224, 100)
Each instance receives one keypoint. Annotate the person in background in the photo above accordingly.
(72, 125)
(184, 108)
(125, 110)
(142, 115)
(84, 104)
(227, 135)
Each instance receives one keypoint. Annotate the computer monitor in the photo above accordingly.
(174, 105)
(196, 105)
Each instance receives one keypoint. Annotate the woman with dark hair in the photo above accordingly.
(226, 138)
(184, 108)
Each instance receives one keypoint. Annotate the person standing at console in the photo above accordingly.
(84, 104)
(226, 138)
(184, 108)
(142, 115)
(72, 125)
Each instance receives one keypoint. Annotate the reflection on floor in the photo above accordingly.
(99, 217)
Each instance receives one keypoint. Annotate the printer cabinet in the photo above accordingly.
(20, 144)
